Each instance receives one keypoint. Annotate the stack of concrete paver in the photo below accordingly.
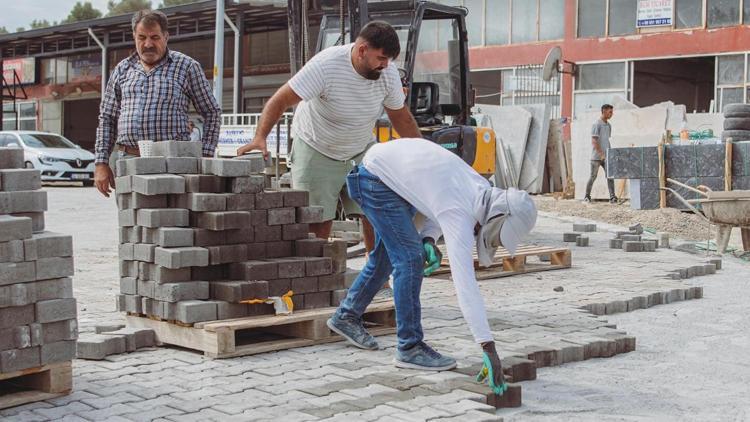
(38, 323)
(198, 236)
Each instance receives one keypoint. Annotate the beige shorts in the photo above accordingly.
(323, 177)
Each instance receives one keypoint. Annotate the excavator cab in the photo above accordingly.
(434, 68)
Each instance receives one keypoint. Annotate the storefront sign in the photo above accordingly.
(654, 13)
(233, 137)
(84, 67)
(25, 69)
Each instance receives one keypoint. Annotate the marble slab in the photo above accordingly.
(644, 193)
(511, 125)
(696, 160)
(633, 162)
(532, 169)
(741, 159)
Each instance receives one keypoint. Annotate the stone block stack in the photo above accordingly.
(198, 236)
(38, 324)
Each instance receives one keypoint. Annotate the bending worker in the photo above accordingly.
(394, 181)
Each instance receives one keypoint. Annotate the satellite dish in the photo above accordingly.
(552, 63)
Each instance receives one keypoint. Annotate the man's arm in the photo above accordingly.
(203, 99)
(282, 100)
(403, 122)
(595, 144)
(106, 132)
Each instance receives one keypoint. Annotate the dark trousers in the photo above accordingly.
(595, 164)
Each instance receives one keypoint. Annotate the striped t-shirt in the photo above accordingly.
(340, 107)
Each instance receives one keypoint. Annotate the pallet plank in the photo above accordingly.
(35, 384)
(560, 258)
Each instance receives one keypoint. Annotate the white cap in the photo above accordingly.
(511, 214)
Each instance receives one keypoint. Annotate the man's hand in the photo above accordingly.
(258, 143)
(432, 255)
(492, 370)
(104, 179)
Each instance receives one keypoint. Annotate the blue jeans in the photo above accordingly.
(398, 249)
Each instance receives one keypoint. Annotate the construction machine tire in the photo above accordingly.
(737, 110)
(736, 135)
(736, 123)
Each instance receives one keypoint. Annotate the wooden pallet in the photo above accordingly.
(260, 334)
(506, 265)
(35, 384)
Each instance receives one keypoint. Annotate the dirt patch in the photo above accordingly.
(680, 224)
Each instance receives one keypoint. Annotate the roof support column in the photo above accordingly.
(219, 53)
(105, 64)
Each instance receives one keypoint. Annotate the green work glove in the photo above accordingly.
(432, 256)
(492, 370)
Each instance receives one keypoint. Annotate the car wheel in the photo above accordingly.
(28, 165)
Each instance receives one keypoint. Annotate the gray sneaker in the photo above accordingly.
(423, 357)
(352, 330)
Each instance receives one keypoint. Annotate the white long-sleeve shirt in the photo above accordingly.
(442, 187)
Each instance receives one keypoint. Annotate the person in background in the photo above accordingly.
(600, 134)
(195, 133)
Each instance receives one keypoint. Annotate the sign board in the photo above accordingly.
(25, 68)
(233, 137)
(654, 13)
(84, 67)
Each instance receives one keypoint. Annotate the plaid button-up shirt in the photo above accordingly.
(153, 105)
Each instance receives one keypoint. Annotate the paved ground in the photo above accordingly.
(688, 364)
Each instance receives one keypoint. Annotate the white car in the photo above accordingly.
(55, 156)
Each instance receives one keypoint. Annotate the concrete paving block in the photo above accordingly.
(128, 285)
(15, 338)
(264, 233)
(295, 231)
(309, 247)
(256, 251)
(120, 303)
(187, 290)
(716, 262)
(311, 214)
(129, 234)
(240, 202)
(170, 237)
(259, 217)
(584, 227)
(58, 288)
(199, 201)
(631, 238)
(570, 237)
(133, 304)
(55, 310)
(301, 285)
(145, 165)
(98, 329)
(636, 228)
(183, 165)
(228, 291)
(615, 243)
(247, 184)
(11, 158)
(235, 236)
(225, 310)
(181, 257)
(163, 217)
(48, 245)
(56, 267)
(663, 240)
(138, 337)
(53, 332)
(205, 237)
(123, 184)
(161, 274)
(204, 183)
(697, 292)
(279, 286)
(296, 198)
(155, 184)
(14, 228)
(16, 316)
(127, 217)
(696, 271)
(137, 200)
(317, 266)
(709, 269)
(192, 149)
(37, 220)
(582, 241)
(649, 246)
(20, 179)
(336, 250)
(12, 251)
(128, 268)
(337, 296)
(631, 246)
(290, 267)
(228, 167)
(221, 220)
(99, 346)
(279, 216)
(279, 249)
(331, 282)
(20, 294)
(317, 300)
(25, 201)
(254, 270)
(226, 254)
(61, 351)
(17, 272)
(19, 359)
(190, 311)
(143, 252)
(145, 288)
(269, 199)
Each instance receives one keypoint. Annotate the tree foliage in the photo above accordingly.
(170, 3)
(82, 11)
(126, 6)
(41, 23)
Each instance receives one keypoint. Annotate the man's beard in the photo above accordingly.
(373, 74)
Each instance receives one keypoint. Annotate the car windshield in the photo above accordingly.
(39, 140)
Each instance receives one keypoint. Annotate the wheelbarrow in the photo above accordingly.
(725, 209)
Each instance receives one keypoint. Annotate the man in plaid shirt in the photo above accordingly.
(147, 98)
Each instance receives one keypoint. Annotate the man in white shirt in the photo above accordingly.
(394, 181)
(343, 90)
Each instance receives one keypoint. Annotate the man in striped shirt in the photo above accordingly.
(343, 90)
(147, 98)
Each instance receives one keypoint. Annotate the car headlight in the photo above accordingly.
(48, 160)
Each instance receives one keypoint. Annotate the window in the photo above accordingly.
(731, 69)
(688, 13)
(551, 19)
(523, 27)
(722, 13)
(601, 76)
(746, 12)
(25, 114)
(622, 17)
(591, 18)
(474, 21)
(497, 23)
